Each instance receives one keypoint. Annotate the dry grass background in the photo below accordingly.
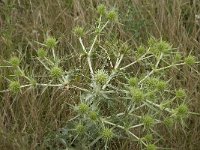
(27, 118)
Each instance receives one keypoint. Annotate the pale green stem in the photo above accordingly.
(95, 39)
(24, 74)
(159, 106)
(47, 68)
(167, 67)
(91, 50)
(5, 66)
(49, 61)
(90, 66)
(54, 55)
(135, 126)
(82, 45)
(114, 72)
(141, 58)
(152, 71)
(159, 59)
(121, 127)
(149, 74)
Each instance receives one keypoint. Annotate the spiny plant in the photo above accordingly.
(126, 89)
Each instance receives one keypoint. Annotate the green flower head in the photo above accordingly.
(101, 77)
(151, 147)
(155, 83)
(107, 134)
(148, 138)
(137, 94)
(14, 86)
(78, 31)
(14, 61)
(180, 94)
(51, 42)
(178, 57)
(112, 15)
(190, 60)
(148, 121)
(41, 53)
(56, 72)
(140, 51)
(159, 46)
(83, 108)
(163, 46)
(161, 85)
(93, 115)
(101, 9)
(181, 111)
(80, 128)
(133, 81)
(169, 122)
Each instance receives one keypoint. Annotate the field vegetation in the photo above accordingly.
(93, 74)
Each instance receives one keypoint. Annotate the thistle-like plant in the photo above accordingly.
(118, 97)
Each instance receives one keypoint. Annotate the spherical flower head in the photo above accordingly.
(140, 50)
(78, 31)
(14, 61)
(137, 94)
(148, 121)
(156, 83)
(56, 72)
(41, 53)
(83, 108)
(33, 82)
(161, 85)
(125, 49)
(148, 138)
(112, 15)
(151, 147)
(157, 47)
(80, 128)
(14, 86)
(152, 82)
(107, 134)
(51, 42)
(151, 41)
(180, 94)
(97, 31)
(181, 111)
(133, 81)
(190, 60)
(178, 57)
(101, 9)
(169, 122)
(19, 73)
(101, 77)
(163, 46)
(93, 115)
(151, 95)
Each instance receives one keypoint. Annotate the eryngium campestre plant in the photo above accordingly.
(125, 90)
